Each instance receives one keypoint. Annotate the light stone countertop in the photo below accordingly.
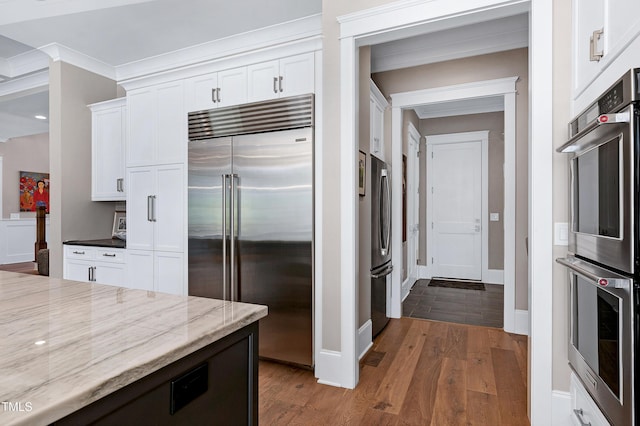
(97, 339)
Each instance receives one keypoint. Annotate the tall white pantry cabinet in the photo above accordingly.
(155, 182)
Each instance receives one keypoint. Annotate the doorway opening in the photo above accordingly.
(505, 90)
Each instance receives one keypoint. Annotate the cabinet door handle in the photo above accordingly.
(594, 54)
(213, 95)
(120, 185)
(218, 94)
(275, 81)
(78, 252)
(109, 255)
(151, 207)
(579, 413)
(92, 273)
(280, 83)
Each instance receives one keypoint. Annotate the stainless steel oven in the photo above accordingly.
(602, 337)
(603, 254)
(604, 143)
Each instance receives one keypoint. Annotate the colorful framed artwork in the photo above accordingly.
(34, 191)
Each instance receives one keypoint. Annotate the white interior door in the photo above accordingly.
(454, 198)
(413, 202)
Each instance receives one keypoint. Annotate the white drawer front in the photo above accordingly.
(110, 255)
(80, 252)
(584, 409)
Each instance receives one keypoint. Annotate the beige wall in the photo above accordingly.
(494, 123)
(331, 285)
(73, 214)
(27, 153)
(364, 202)
(485, 67)
(561, 111)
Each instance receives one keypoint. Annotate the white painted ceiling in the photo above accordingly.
(118, 32)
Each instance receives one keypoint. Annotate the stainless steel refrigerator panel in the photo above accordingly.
(274, 178)
(274, 238)
(209, 161)
(380, 213)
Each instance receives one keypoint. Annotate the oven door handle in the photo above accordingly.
(609, 280)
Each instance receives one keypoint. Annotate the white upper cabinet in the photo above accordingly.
(602, 30)
(289, 76)
(220, 89)
(588, 22)
(108, 139)
(377, 105)
(157, 125)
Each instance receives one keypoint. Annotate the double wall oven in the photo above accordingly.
(604, 257)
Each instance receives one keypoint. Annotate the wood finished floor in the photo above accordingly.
(24, 267)
(462, 306)
(418, 372)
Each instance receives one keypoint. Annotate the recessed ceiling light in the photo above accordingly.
(41, 117)
(41, 342)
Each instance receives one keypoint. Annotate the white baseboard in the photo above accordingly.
(365, 340)
(406, 288)
(560, 408)
(521, 322)
(328, 368)
(424, 272)
(493, 276)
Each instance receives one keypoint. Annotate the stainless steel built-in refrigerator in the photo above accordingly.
(251, 216)
(381, 266)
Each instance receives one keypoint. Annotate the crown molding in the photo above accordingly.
(33, 83)
(59, 52)
(304, 34)
(28, 62)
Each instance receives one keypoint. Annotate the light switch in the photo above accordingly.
(494, 217)
(561, 234)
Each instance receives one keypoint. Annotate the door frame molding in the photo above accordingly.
(505, 87)
(444, 139)
(401, 19)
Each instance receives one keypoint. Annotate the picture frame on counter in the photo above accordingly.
(119, 225)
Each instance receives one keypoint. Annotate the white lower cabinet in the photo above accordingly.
(156, 271)
(583, 409)
(95, 264)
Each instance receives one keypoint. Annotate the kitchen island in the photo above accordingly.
(77, 353)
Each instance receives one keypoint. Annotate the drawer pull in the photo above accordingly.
(579, 413)
(109, 255)
(78, 252)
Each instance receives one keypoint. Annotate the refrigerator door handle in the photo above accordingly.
(384, 227)
(386, 271)
(232, 232)
(224, 238)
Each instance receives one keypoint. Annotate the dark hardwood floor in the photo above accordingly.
(418, 372)
(24, 267)
(462, 306)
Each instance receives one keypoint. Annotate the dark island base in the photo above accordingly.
(217, 385)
